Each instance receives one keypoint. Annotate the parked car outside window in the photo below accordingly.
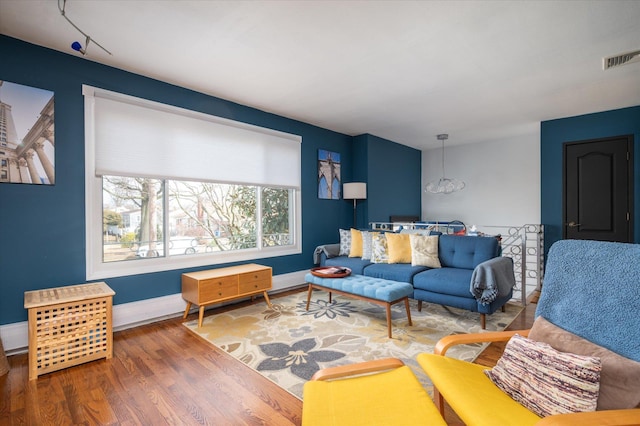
(177, 246)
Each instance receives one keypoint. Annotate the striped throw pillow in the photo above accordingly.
(545, 380)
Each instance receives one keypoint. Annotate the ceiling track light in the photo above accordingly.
(76, 45)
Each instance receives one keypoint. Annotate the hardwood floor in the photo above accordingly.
(162, 373)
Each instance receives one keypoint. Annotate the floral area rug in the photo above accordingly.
(288, 344)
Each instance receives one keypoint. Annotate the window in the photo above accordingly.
(203, 217)
(169, 188)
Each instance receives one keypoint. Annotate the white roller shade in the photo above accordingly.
(137, 137)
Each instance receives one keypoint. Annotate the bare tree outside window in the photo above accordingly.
(221, 216)
(136, 200)
(202, 217)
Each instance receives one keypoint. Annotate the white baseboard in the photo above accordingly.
(126, 315)
(14, 337)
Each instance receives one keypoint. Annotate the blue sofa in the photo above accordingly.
(450, 285)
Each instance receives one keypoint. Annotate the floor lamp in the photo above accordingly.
(354, 191)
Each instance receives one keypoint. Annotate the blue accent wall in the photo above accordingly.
(393, 175)
(554, 133)
(42, 228)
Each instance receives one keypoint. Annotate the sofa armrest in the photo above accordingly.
(594, 418)
(357, 369)
(462, 339)
(326, 250)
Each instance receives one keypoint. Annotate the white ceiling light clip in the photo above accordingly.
(76, 44)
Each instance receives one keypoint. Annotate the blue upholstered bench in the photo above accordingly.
(374, 290)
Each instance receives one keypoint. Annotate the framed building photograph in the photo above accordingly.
(329, 183)
(27, 142)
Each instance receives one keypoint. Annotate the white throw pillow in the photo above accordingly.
(424, 250)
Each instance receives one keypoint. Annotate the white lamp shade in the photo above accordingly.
(354, 191)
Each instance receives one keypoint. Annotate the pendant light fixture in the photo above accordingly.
(444, 185)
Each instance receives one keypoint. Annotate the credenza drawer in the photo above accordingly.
(220, 282)
(218, 288)
(248, 287)
(261, 275)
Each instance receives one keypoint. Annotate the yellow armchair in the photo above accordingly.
(381, 392)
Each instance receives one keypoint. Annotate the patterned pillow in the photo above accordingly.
(399, 248)
(356, 243)
(546, 381)
(367, 241)
(345, 242)
(379, 248)
(424, 251)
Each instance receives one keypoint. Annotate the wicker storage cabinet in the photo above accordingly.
(68, 326)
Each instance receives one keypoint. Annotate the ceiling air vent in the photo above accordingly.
(623, 58)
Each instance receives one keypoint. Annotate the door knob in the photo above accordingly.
(572, 224)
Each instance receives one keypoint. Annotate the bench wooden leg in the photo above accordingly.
(406, 305)
(389, 319)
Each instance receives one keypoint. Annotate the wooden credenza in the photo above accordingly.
(204, 288)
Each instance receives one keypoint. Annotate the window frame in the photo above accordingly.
(97, 269)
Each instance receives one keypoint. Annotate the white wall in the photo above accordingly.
(502, 182)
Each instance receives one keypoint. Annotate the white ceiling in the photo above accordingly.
(401, 70)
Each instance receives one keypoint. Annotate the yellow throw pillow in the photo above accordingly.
(399, 247)
(356, 243)
(424, 251)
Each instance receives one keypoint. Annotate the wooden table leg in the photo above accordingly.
(186, 311)
(266, 297)
(200, 316)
